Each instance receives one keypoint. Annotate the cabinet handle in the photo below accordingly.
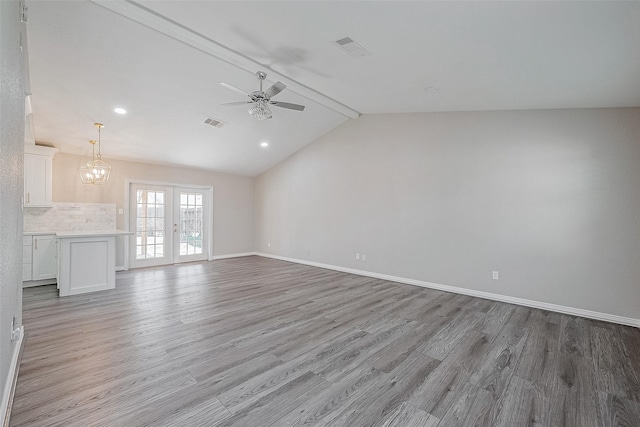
(36, 243)
(28, 197)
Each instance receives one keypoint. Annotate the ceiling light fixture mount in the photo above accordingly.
(95, 171)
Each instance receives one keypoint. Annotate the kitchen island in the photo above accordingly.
(86, 261)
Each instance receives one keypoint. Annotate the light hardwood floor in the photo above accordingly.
(260, 342)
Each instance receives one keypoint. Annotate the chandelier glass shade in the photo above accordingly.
(260, 110)
(97, 170)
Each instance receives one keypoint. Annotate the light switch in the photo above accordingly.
(120, 211)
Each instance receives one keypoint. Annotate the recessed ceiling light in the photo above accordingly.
(120, 110)
(264, 144)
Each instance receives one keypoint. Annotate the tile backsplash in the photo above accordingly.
(71, 217)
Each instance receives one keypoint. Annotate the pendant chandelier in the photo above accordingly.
(95, 171)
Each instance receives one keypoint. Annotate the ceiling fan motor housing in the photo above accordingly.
(258, 95)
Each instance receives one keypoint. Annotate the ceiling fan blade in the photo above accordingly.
(275, 89)
(288, 105)
(231, 104)
(233, 88)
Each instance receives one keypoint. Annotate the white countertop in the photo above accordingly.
(73, 234)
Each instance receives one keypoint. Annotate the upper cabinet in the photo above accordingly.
(38, 176)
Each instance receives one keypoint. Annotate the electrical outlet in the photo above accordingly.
(364, 257)
(496, 275)
(357, 256)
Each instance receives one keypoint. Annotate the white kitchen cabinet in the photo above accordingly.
(87, 263)
(44, 257)
(37, 180)
(27, 254)
(38, 176)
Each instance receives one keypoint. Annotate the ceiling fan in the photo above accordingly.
(261, 100)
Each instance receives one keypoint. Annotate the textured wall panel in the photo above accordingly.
(11, 164)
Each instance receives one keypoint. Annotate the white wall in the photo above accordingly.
(549, 198)
(233, 197)
(11, 161)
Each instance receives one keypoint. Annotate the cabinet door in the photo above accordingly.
(37, 180)
(26, 272)
(45, 264)
(27, 253)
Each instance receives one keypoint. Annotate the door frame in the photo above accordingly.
(127, 210)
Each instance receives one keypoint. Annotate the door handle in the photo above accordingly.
(36, 244)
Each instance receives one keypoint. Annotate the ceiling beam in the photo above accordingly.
(148, 18)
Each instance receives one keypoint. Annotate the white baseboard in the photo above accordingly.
(215, 257)
(12, 377)
(629, 321)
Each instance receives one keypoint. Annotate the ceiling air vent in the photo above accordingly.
(214, 122)
(352, 47)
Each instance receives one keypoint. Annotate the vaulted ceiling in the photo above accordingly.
(163, 60)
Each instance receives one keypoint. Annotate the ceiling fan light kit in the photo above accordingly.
(260, 110)
(96, 171)
(261, 100)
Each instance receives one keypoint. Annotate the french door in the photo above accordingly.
(170, 224)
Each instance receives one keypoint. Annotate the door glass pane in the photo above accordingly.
(191, 230)
(149, 224)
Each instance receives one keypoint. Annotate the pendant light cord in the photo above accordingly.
(99, 151)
